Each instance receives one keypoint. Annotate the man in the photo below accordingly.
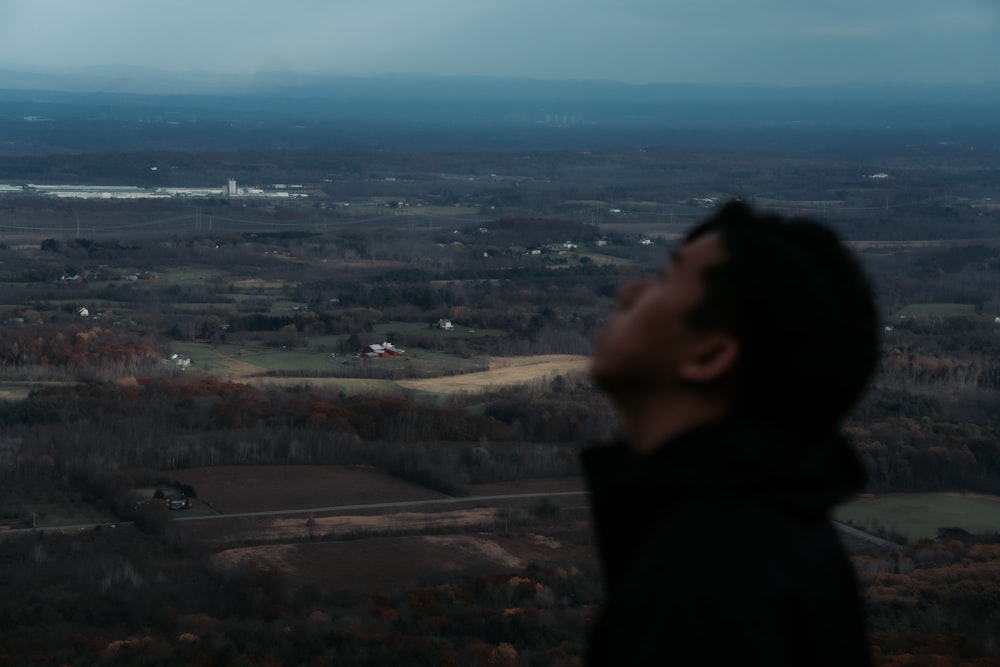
(732, 368)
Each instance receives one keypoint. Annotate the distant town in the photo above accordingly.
(229, 189)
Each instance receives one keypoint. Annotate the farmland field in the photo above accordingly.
(504, 371)
(13, 391)
(234, 489)
(392, 562)
(383, 330)
(247, 361)
(919, 515)
(450, 373)
(51, 515)
(936, 310)
(462, 540)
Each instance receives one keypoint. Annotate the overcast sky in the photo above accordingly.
(786, 42)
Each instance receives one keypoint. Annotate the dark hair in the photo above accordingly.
(804, 313)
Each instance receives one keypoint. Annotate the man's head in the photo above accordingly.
(771, 318)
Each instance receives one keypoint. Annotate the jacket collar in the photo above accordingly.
(631, 492)
(737, 456)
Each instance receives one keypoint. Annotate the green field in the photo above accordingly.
(936, 310)
(919, 515)
(604, 260)
(821, 204)
(188, 274)
(49, 515)
(382, 331)
(242, 361)
(16, 390)
(251, 359)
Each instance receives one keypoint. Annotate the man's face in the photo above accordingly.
(644, 342)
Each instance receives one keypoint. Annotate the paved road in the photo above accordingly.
(397, 504)
(66, 528)
(180, 516)
(499, 498)
(874, 539)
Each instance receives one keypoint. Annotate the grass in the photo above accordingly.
(15, 391)
(506, 371)
(919, 515)
(936, 310)
(601, 259)
(349, 386)
(382, 330)
(251, 359)
(423, 216)
(244, 361)
(186, 274)
(764, 202)
(293, 360)
(425, 371)
(45, 515)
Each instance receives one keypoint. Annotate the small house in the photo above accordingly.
(181, 361)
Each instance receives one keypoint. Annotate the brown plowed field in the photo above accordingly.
(235, 489)
(389, 563)
(504, 371)
(383, 549)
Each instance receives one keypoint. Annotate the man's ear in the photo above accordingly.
(713, 357)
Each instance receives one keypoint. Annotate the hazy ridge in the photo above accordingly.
(484, 99)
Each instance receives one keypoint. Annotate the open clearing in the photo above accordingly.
(14, 391)
(387, 563)
(236, 489)
(378, 549)
(503, 371)
(45, 515)
(919, 515)
(936, 310)
(316, 365)
(301, 528)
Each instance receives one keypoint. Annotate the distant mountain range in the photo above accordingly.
(131, 80)
(406, 104)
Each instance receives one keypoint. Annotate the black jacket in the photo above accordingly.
(717, 549)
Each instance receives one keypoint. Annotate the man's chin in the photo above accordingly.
(597, 370)
(615, 381)
(609, 380)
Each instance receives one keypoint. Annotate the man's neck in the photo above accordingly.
(650, 421)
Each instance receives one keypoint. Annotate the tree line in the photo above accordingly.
(45, 351)
(91, 433)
